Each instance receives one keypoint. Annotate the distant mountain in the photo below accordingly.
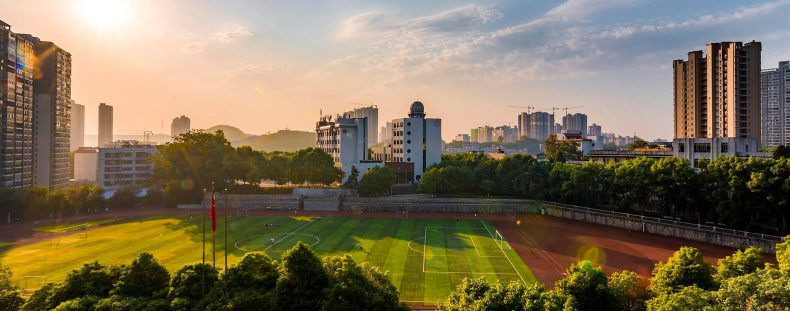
(283, 140)
(231, 133)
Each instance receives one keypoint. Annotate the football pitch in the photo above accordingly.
(425, 258)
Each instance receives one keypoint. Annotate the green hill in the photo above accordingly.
(231, 133)
(283, 140)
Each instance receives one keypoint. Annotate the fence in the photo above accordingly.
(695, 232)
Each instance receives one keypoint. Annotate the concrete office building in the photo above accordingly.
(576, 122)
(105, 124)
(372, 114)
(16, 102)
(775, 105)
(77, 135)
(346, 140)
(180, 125)
(386, 132)
(418, 140)
(718, 94)
(537, 125)
(51, 116)
(594, 130)
(124, 163)
(86, 164)
(694, 149)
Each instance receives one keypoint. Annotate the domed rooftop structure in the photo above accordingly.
(417, 110)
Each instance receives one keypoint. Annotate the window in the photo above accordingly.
(408, 159)
(702, 147)
(681, 147)
(724, 147)
(408, 150)
(408, 133)
(408, 123)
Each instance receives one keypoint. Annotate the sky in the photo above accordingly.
(268, 65)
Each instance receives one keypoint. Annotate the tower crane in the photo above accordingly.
(529, 108)
(566, 109)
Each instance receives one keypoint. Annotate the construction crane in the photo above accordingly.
(566, 109)
(529, 108)
(147, 135)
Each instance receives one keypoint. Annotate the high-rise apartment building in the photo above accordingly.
(16, 103)
(505, 134)
(576, 122)
(105, 124)
(372, 113)
(180, 125)
(386, 132)
(474, 135)
(537, 125)
(775, 105)
(718, 94)
(594, 130)
(51, 116)
(77, 135)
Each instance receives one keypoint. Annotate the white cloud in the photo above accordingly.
(232, 34)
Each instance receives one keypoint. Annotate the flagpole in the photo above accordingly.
(226, 229)
(203, 211)
(213, 230)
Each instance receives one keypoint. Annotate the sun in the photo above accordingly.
(105, 14)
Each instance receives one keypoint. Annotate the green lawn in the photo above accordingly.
(426, 258)
(73, 227)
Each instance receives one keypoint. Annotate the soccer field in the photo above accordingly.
(426, 258)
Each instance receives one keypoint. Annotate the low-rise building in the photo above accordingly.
(695, 149)
(586, 145)
(85, 164)
(606, 156)
(125, 163)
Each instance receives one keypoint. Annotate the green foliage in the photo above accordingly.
(352, 182)
(561, 151)
(313, 166)
(302, 280)
(376, 181)
(189, 284)
(765, 289)
(629, 291)
(740, 263)
(584, 287)
(354, 287)
(685, 268)
(10, 293)
(638, 144)
(477, 294)
(687, 298)
(781, 152)
(145, 278)
(447, 180)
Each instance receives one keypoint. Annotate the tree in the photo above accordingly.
(190, 164)
(189, 284)
(629, 291)
(638, 144)
(674, 181)
(685, 268)
(765, 289)
(447, 180)
(783, 255)
(249, 285)
(740, 263)
(687, 298)
(781, 152)
(376, 181)
(10, 293)
(126, 197)
(634, 181)
(314, 166)
(477, 294)
(352, 182)
(302, 280)
(146, 278)
(584, 287)
(355, 287)
(561, 151)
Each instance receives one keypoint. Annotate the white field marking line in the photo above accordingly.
(156, 238)
(412, 248)
(503, 253)
(478, 252)
(290, 234)
(542, 252)
(317, 240)
(470, 228)
(467, 272)
(424, 245)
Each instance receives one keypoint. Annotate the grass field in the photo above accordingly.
(426, 258)
(73, 227)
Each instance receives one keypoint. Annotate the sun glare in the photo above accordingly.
(105, 14)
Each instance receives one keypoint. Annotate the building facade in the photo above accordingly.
(51, 115)
(105, 124)
(346, 140)
(77, 135)
(418, 140)
(576, 122)
(594, 130)
(86, 164)
(180, 125)
(386, 132)
(718, 94)
(464, 138)
(537, 125)
(124, 163)
(505, 134)
(695, 149)
(775, 105)
(16, 102)
(372, 114)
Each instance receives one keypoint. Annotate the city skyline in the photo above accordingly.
(466, 61)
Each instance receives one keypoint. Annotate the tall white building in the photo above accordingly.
(386, 132)
(77, 136)
(417, 140)
(346, 140)
(372, 114)
(775, 105)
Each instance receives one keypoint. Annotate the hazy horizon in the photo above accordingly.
(269, 65)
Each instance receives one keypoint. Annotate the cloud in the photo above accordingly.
(245, 71)
(193, 47)
(232, 34)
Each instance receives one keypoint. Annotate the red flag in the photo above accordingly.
(213, 213)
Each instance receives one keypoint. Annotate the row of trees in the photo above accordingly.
(300, 281)
(22, 204)
(742, 193)
(743, 281)
(197, 160)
